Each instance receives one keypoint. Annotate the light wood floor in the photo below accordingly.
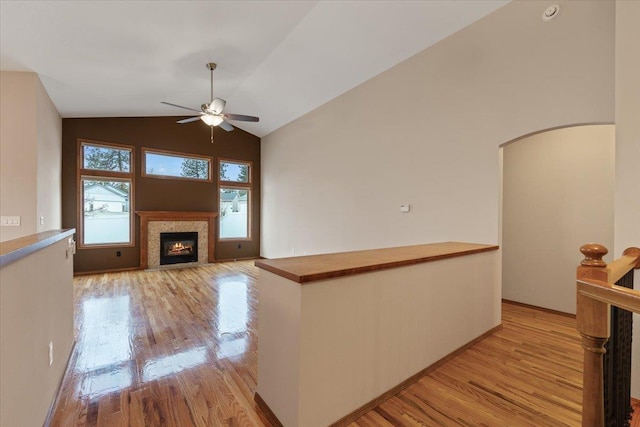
(178, 348)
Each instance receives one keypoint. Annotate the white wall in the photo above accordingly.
(627, 199)
(36, 307)
(333, 345)
(427, 132)
(549, 211)
(30, 155)
(49, 158)
(18, 158)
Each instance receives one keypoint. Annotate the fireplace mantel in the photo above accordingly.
(148, 216)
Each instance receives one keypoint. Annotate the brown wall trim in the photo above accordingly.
(349, 418)
(115, 270)
(271, 417)
(56, 396)
(535, 307)
(120, 270)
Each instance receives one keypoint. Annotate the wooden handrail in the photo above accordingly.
(596, 293)
(609, 293)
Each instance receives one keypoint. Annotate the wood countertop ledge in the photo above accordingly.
(320, 267)
(13, 250)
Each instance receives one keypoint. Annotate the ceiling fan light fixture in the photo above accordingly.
(211, 120)
(212, 113)
(215, 106)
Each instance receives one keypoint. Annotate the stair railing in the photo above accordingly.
(596, 294)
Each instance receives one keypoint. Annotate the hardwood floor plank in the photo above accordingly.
(395, 409)
(502, 409)
(458, 406)
(372, 419)
(635, 419)
(179, 348)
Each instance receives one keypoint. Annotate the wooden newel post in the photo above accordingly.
(593, 253)
(593, 324)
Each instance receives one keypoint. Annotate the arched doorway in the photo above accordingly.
(557, 194)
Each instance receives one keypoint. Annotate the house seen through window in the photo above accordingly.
(235, 200)
(106, 189)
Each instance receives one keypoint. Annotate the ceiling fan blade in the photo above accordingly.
(241, 117)
(217, 105)
(189, 120)
(179, 106)
(226, 126)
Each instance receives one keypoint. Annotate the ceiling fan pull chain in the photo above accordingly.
(211, 134)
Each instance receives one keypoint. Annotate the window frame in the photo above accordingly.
(144, 174)
(105, 175)
(235, 185)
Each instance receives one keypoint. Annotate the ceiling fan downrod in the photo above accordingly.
(211, 66)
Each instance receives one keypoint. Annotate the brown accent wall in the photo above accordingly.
(159, 194)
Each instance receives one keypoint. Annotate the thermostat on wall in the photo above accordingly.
(405, 208)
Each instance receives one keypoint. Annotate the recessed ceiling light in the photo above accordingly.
(550, 12)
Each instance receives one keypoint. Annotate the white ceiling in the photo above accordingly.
(276, 59)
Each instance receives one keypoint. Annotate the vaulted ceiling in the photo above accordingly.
(276, 59)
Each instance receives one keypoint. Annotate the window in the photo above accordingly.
(167, 164)
(105, 182)
(105, 158)
(234, 171)
(235, 200)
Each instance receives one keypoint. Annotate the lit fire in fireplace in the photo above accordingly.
(179, 248)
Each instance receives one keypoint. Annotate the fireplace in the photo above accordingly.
(178, 247)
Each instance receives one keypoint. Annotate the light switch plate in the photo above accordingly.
(10, 221)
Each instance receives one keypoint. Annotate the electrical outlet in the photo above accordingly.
(118, 253)
(50, 353)
(41, 220)
(239, 245)
(71, 247)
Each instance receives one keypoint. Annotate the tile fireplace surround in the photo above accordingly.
(152, 223)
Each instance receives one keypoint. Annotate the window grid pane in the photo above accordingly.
(161, 164)
(105, 158)
(234, 172)
(106, 211)
(234, 213)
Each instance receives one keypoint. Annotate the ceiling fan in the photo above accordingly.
(213, 113)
